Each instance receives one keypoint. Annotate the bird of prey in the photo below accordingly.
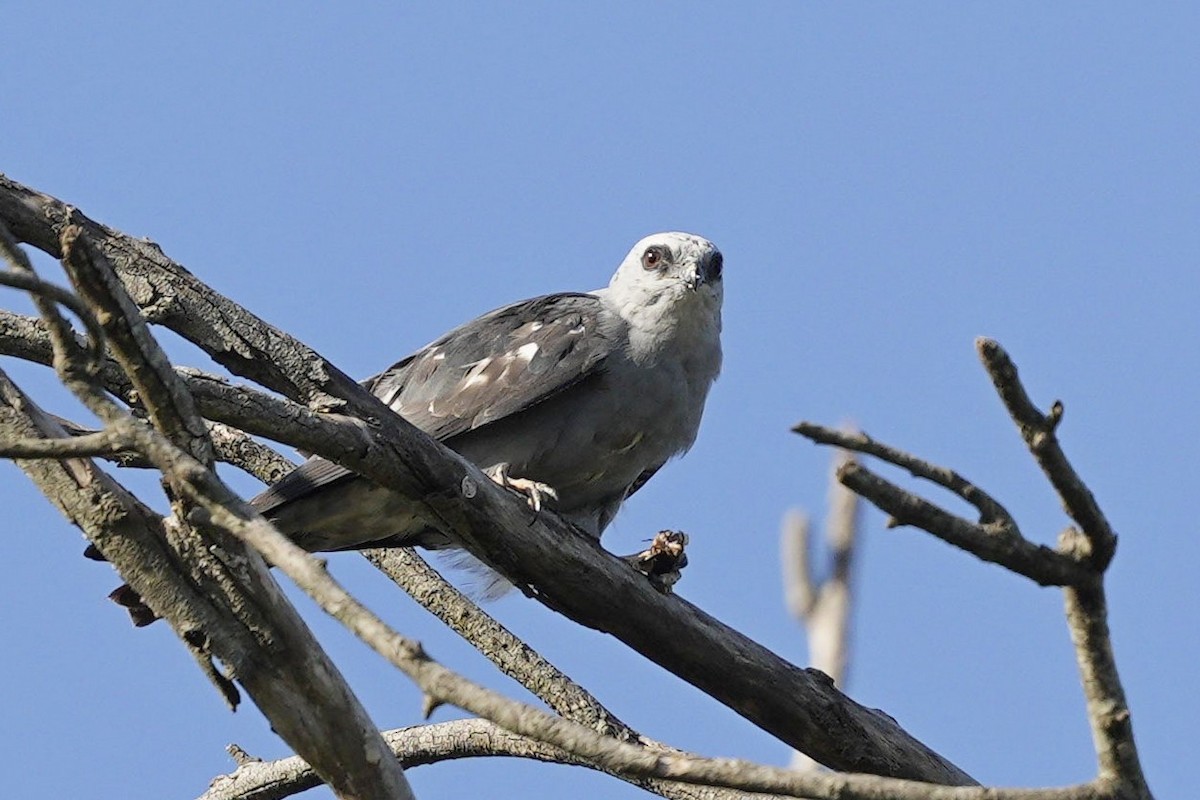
(573, 399)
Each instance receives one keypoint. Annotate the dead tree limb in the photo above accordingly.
(823, 604)
(559, 567)
(524, 664)
(416, 746)
(217, 595)
(1077, 563)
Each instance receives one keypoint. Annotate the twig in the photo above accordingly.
(232, 446)
(996, 538)
(416, 746)
(22, 276)
(990, 510)
(99, 443)
(167, 402)
(795, 547)
(1038, 431)
(27, 338)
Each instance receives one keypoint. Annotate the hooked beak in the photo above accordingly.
(707, 270)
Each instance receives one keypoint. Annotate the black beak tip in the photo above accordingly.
(714, 264)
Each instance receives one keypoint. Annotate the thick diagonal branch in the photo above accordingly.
(568, 572)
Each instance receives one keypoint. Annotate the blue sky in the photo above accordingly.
(887, 182)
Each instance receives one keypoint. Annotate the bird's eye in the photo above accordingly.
(653, 257)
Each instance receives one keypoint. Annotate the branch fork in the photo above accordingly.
(1077, 563)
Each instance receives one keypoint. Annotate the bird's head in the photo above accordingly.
(669, 274)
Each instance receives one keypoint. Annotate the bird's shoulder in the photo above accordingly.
(500, 363)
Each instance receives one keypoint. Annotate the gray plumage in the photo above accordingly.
(588, 394)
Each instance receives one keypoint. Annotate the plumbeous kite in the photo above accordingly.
(573, 399)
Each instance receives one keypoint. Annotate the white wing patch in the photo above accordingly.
(634, 442)
(477, 376)
(498, 365)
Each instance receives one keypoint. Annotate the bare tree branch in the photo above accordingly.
(995, 538)
(1087, 608)
(443, 685)
(167, 402)
(236, 448)
(990, 510)
(290, 677)
(413, 746)
(801, 708)
(232, 446)
(97, 443)
(22, 276)
(823, 605)
(27, 338)
(499, 645)
(1078, 564)
(1108, 710)
(519, 661)
(795, 549)
(417, 746)
(1038, 431)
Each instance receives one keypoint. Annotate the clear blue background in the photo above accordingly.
(887, 182)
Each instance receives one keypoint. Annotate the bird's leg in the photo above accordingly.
(663, 561)
(535, 491)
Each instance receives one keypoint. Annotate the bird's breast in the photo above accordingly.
(591, 441)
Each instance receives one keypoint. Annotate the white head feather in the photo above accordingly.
(669, 285)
